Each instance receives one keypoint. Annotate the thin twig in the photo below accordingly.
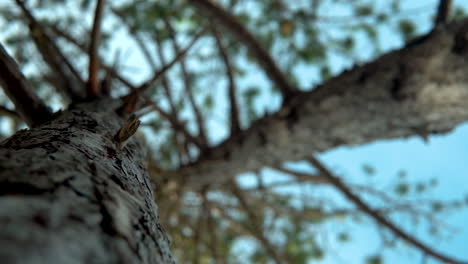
(229, 22)
(377, 216)
(176, 124)
(93, 88)
(140, 42)
(164, 77)
(188, 85)
(28, 105)
(157, 75)
(83, 47)
(70, 80)
(234, 108)
(256, 228)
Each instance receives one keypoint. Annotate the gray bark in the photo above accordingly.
(421, 89)
(68, 194)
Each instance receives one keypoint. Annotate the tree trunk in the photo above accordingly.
(68, 194)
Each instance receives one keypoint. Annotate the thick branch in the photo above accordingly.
(31, 109)
(93, 70)
(378, 217)
(416, 91)
(230, 23)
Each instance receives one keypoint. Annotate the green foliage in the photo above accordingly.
(363, 10)
(402, 189)
(374, 260)
(249, 96)
(343, 237)
(407, 28)
(368, 169)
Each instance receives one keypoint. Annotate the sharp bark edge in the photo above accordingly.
(418, 90)
(69, 195)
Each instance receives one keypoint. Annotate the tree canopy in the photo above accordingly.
(229, 91)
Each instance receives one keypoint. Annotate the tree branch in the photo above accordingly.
(83, 47)
(157, 75)
(188, 85)
(231, 24)
(177, 125)
(31, 109)
(378, 217)
(164, 77)
(443, 12)
(256, 228)
(71, 84)
(10, 113)
(418, 90)
(93, 88)
(234, 109)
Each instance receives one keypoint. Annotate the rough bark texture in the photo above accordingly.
(69, 195)
(421, 89)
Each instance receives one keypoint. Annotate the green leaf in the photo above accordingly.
(208, 102)
(381, 18)
(420, 187)
(343, 237)
(407, 28)
(368, 169)
(374, 260)
(251, 93)
(459, 14)
(402, 189)
(363, 10)
(348, 44)
(325, 72)
(85, 4)
(317, 253)
(401, 174)
(437, 206)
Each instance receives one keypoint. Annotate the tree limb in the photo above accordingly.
(176, 125)
(83, 47)
(418, 90)
(378, 217)
(234, 109)
(10, 113)
(256, 224)
(27, 104)
(188, 85)
(241, 33)
(164, 77)
(71, 84)
(443, 12)
(93, 88)
(157, 75)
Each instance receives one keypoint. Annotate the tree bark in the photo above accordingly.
(419, 90)
(68, 194)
